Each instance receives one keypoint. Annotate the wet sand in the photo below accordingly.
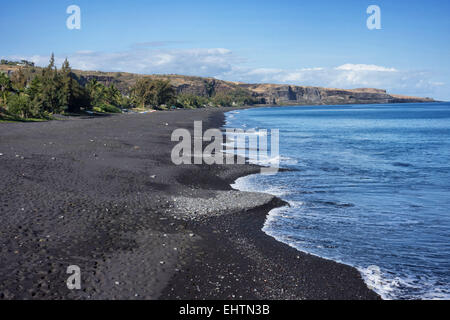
(103, 194)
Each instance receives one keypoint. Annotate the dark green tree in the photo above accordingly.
(67, 95)
(34, 91)
(50, 97)
(73, 95)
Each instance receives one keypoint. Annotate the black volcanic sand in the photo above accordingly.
(103, 194)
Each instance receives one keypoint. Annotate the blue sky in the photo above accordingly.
(320, 43)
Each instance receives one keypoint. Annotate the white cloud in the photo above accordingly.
(364, 67)
(224, 64)
(202, 62)
(349, 76)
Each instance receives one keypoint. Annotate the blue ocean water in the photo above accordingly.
(371, 189)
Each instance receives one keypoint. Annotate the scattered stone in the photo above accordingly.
(222, 202)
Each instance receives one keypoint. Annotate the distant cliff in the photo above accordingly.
(270, 94)
(288, 94)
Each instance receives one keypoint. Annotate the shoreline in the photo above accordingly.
(103, 194)
(246, 227)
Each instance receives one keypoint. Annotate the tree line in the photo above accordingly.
(53, 91)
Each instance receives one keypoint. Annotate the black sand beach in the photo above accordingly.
(103, 194)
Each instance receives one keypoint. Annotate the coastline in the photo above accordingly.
(104, 195)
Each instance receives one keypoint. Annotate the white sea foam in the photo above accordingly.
(378, 282)
(246, 184)
(269, 161)
(391, 287)
(282, 212)
(247, 132)
(255, 157)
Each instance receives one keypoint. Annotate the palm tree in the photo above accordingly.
(148, 92)
(96, 91)
(164, 91)
(113, 95)
(93, 85)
